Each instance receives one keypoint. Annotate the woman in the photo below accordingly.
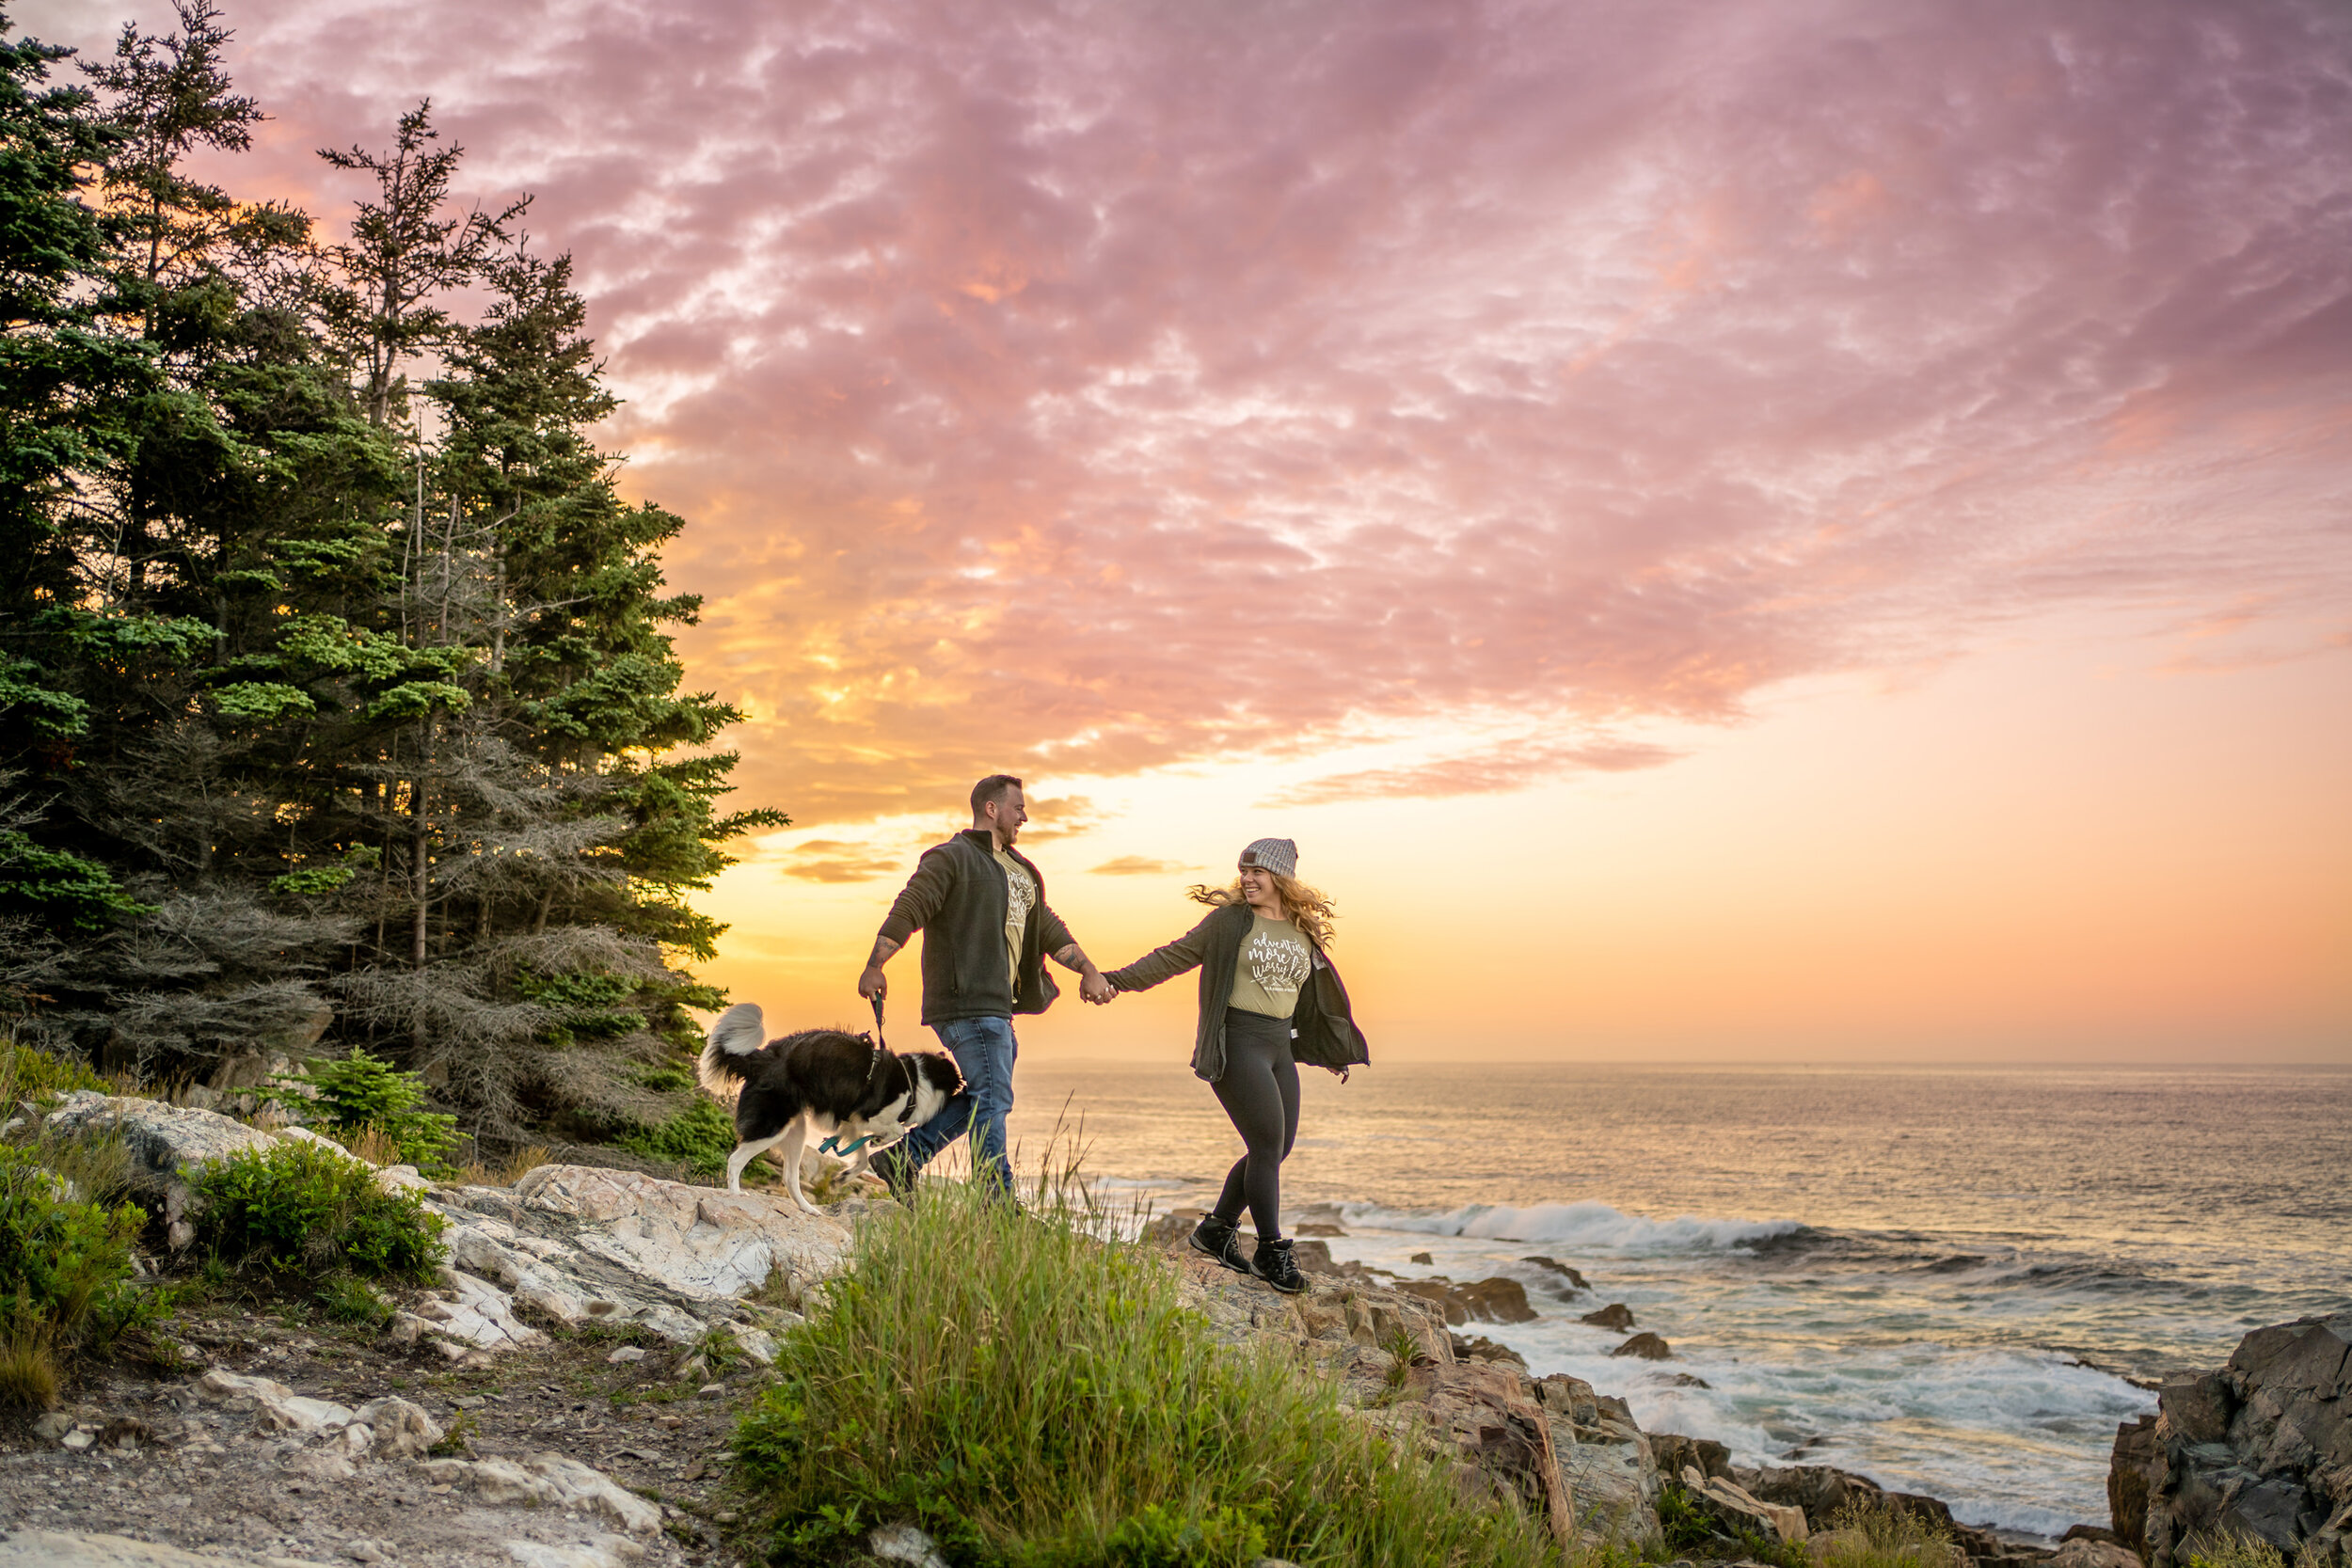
(1269, 1000)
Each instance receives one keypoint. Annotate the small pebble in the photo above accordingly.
(627, 1353)
(78, 1439)
(363, 1550)
(673, 1422)
(714, 1390)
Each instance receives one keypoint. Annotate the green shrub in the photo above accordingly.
(357, 1093)
(1680, 1521)
(66, 1261)
(300, 1205)
(35, 1075)
(1032, 1393)
(700, 1137)
(347, 1299)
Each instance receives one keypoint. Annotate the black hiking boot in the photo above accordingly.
(897, 1171)
(1218, 1238)
(1275, 1265)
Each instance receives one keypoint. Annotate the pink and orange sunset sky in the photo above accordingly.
(1810, 532)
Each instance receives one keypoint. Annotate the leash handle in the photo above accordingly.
(879, 1041)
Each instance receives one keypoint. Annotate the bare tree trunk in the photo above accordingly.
(419, 863)
(497, 612)
(448, 538)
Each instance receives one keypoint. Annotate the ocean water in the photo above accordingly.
(1953, 1281)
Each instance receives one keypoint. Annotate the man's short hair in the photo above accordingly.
(991, 787)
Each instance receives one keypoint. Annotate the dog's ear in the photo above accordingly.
(943, 1073)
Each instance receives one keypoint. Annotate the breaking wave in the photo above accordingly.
(1581, 1225)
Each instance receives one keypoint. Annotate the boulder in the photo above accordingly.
(1605, 1461)
(548, 1480)
(1677, 1454)
(1487, 1301)
(1500, 1435)
(2084, 1552)
(1567, 1275)
(1479, 1348)
(1338, 1319)
(40, 1549)
(1735, 1511)
(2128, 1473)
(168, 1144)
(398, 1429)
(1650, 1347)
(576, 1244)
(2262, 1447)
(566, 1243)
(1439, 1293)
(1616, 1317)
(1313, 1257)
(1497, 1301)
(1822, 1492)
(1577, 1459)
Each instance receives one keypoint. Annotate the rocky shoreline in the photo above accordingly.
(563, 1397)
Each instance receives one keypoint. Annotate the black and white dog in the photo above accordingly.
(846, 1087)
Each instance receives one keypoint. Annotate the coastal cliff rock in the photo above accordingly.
(1569, 1277)
(1605, 1459)
(566, 1245)
(167, 1143)
(1823, 1494)
(1575, 1459)
(1487, 1301)
(2262, 1447)
(1734, 1510)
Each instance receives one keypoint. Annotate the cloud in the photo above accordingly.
(1491, 772)
(829, 859)
(1137, 866)
(1065, 816)
(1091, 387)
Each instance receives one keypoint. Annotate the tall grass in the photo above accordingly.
(2236, 1549)
(1879, 1532)
(1026, 1387)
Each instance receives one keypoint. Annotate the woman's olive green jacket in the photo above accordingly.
(1323, 1029)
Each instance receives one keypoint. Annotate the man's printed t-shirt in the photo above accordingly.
(1274, 963)
(1020, 898)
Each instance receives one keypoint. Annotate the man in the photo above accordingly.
(987, 929)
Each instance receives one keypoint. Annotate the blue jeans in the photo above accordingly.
(984, 1049)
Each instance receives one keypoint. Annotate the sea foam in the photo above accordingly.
(1581, 1225)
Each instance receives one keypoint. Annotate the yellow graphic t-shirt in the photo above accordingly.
(1020, 898)
(1274, 963)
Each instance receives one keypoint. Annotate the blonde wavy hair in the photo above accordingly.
(1310, 908)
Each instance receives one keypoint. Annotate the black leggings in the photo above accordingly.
(1259, 1091)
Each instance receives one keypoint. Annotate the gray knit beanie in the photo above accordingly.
(1277, 855)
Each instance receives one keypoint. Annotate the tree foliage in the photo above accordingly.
(338, 709)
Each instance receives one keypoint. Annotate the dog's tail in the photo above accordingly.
(737, 1036)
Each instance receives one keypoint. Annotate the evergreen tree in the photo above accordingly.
(335, 718)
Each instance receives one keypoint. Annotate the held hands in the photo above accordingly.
(1096, 987)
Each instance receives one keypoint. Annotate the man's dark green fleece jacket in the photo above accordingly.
(1322, 1028)
(958, 899)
